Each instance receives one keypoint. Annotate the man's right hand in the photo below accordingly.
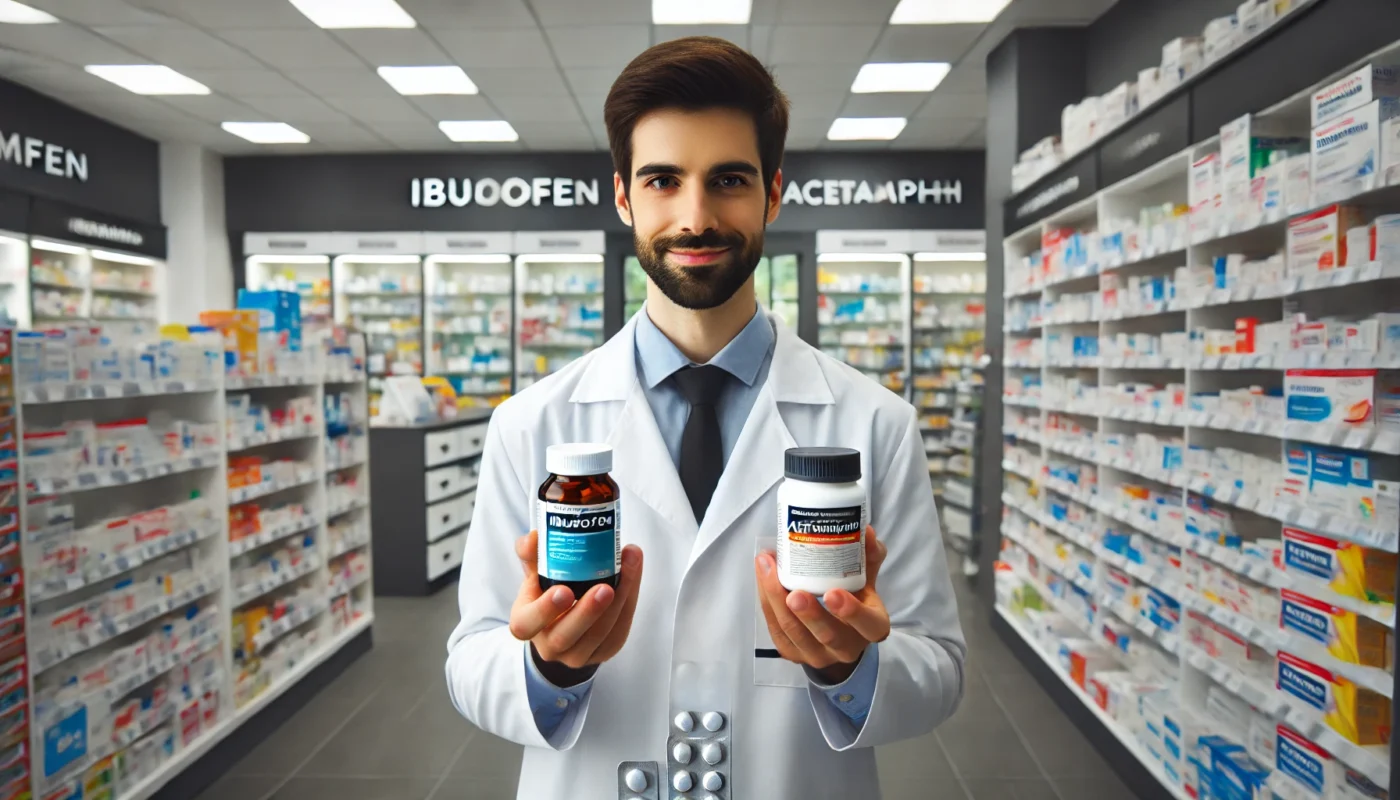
(568, 639)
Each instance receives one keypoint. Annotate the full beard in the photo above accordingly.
(701, 287)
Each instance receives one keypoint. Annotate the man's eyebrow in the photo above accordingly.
(740, 167)
(658, 169)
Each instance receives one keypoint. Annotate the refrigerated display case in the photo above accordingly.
(559, 312)
(307, 275)
(14, 279)
(862, 319)
(381, 296)
(71, 283)
(470, 314)
(949, 329)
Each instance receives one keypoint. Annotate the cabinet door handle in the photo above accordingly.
(445, 482)
(444, 447)
(446, 518)
(447, 555)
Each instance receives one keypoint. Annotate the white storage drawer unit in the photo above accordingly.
(424, 481)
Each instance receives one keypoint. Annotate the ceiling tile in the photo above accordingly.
(293, 110)
(450, 107)
(294, 50)
(977, 140)
(765, 12)
(329, 133)
(395, 48)
(230, 14)
(17, 60)
(945, 105)
(937, 132)
(213, 108)
(822, 44)
(543, 81)
(67, 43)
(598, 45)
(61, 78)
(858, 146)
(100, 12)
(592, 12)
(180, 47)
(815, 78)
(486, 147)
(552, 136)
(378, 108)
(509, 47)
(761, 42)
(236, 82)
(805, 137)
(592, 107)
(894, 104)
(476, 13)
(591, 80)
(353, 80)
(925, 42)
(825, 12)
(738, 34)
(812, 104)
(965, 79)
(517, 108)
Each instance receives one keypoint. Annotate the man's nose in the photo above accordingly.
(696, 214)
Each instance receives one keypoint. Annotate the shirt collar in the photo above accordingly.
(743, 357)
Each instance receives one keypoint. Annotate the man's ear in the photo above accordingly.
(624, 205)
(775, 196)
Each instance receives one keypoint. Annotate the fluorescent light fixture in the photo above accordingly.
(122, 258)
(152, 79)
(355, 13)
(289, 260)
(854, 129)
(861, 258)
(470, 259)
(951, 257)
(377, 260)
(479, 130)
(710, 12)
(12, 13)
(918, 76)
(428, 80)
(946, 12)
(565, 258)
(266, 132)
(57, 247)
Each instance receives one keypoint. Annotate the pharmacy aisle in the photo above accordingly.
(385, 730)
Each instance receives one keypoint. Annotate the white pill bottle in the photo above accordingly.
(822, 514)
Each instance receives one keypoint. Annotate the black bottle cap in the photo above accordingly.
(822, 464)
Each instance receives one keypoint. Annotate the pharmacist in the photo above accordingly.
(699, 396)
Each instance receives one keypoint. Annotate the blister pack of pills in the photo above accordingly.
(698, 755)
(638, 780)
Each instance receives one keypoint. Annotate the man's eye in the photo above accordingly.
(731, 182)
(662, 182)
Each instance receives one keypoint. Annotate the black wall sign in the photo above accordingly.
(60, 221)
(1060, 189)
(14, 212)
(573, 191)
(1146, 141)
(50, 150)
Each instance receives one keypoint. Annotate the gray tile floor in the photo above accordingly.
(384, 730)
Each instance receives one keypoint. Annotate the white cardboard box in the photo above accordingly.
(1353, 91)
(1346, 151)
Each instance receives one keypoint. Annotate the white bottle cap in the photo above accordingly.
(578, 460)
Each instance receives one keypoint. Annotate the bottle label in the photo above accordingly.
(822, 542)
(579, 543)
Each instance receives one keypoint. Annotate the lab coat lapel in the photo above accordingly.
(757, 460)
(641, 463)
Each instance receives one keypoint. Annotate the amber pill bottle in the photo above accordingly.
(578, 515)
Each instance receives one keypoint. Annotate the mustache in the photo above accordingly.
(691, 241)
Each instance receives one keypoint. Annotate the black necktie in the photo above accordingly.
(702, 455)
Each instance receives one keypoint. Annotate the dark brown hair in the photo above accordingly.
(695, 73)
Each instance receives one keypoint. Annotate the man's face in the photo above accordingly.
(696, 203)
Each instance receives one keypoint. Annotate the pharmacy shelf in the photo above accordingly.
(244, 494)
(1169, 642)
(123, 562)
(234, 384)
(65, 648)
(1016, 469)
(136, 676)
(284, 625)
(242, 595)
(1049, 561)
(124, 476)
(346, 507)
(1078, 537)
(185, 756)
(345, 587)
(238, 547)
(290, 433)
(77, 392)
(1124, 737)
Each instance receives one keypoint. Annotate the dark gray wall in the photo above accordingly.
(1128, 38)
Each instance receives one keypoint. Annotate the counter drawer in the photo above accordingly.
(446, 555)
(444, 517)
(445, 482)
(440, 447)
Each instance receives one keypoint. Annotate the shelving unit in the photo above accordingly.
(307, 275)
(863, 306)
(1104, 375)
(470, 324)
(381, 296)
(14, 278)
(72, 283)
(214, 640)
(559, 312)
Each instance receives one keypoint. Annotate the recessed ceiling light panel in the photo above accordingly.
(355, 13)
(921, 76)
(150, 79)
(13, 13)
(855, 129)
(946, 12)
(267, 132)
(479, 130)
(708, 12)
(428, 80)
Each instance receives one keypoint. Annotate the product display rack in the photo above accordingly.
(863, 303)
(949, 321)
(14, 277)
(73, 283)
(1105, 371)
(381, 296)
(307, 275)
(470, 324)
(559, 312)
(78, 745)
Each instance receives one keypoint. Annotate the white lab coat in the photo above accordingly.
(698, 622)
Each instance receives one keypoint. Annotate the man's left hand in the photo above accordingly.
(829, 640)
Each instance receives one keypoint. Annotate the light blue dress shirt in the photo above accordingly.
(747, 358)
